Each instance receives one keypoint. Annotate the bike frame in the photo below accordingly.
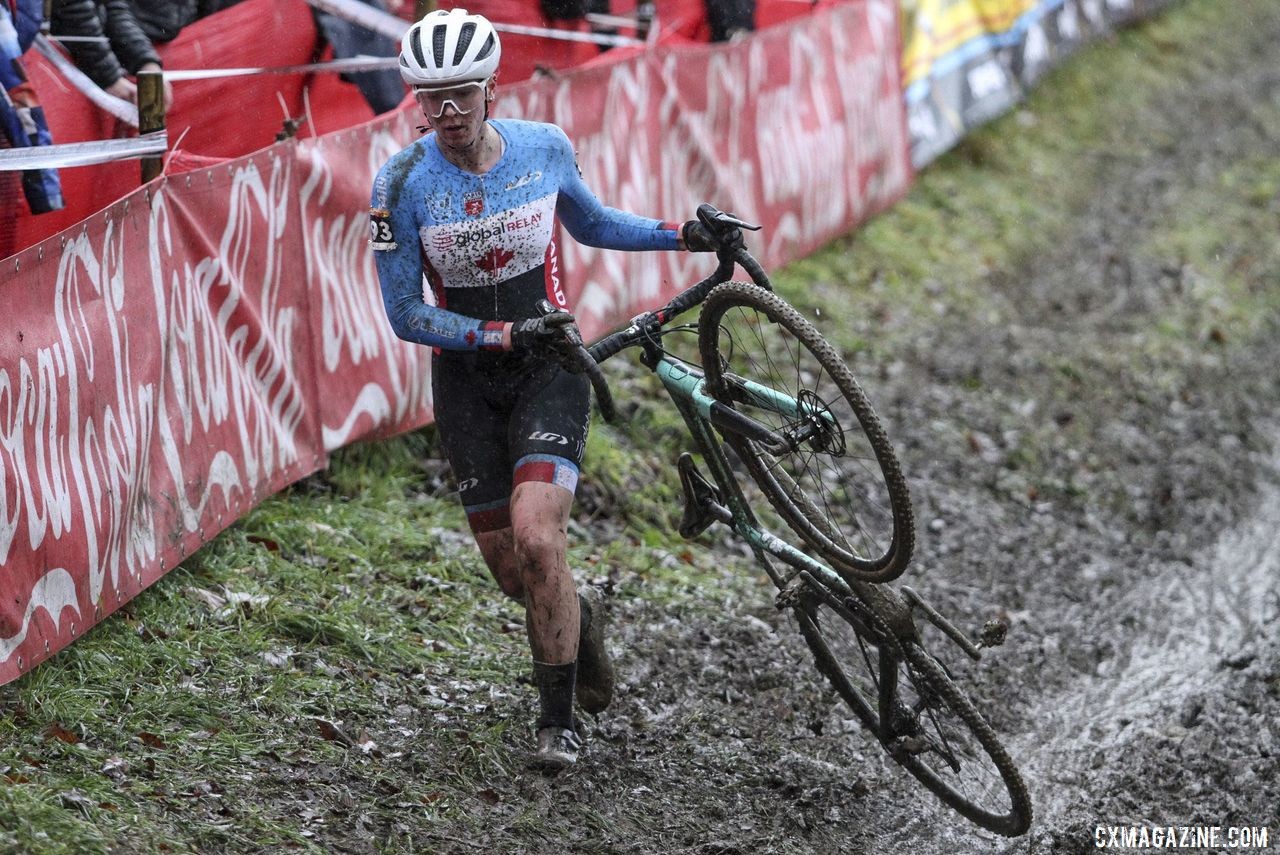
(686, 385)
(881, 612)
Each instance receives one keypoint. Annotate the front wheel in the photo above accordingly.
(835, 479)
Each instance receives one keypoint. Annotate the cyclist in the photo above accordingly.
(472, 207)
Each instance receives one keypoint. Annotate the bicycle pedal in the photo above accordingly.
(700, 495)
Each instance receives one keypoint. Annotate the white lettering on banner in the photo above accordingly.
(799, 127)
(222, 370)
(627, 184)
(101, 458)
(336, 254)
(1093, 12)
(54, 592)
(353, 324)
(1035, 52)
(228, 389)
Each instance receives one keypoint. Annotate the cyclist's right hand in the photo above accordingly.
(554, 331)
(698, 238)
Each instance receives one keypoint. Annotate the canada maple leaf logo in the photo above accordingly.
(495, 259)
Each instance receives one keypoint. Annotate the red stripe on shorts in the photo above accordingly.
(535, 470)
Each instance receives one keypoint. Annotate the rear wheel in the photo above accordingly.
(835, 481)
(904, 696)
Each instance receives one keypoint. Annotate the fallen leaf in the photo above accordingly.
(268, 543)
(489, 796)
(57, 731)
(152, 740)
(209, 598)
(333, 732)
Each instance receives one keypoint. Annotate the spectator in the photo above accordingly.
(162, 20)
(383, 88)
(22, 118)
(115, 45)
(730, 19)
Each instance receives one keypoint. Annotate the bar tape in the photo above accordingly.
(83, 153)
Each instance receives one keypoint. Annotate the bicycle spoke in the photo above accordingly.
(837, 483)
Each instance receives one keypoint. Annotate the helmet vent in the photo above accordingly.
(465, 34)
(489, 44)
(415, 42)
(437, 45)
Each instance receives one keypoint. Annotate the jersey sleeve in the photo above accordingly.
(394, 240)
(595, 224)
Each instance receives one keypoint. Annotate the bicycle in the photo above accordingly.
(801, 435)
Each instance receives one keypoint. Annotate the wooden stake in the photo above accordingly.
(151, 116)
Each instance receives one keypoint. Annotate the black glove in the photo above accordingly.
(556, 331)
(698, 238)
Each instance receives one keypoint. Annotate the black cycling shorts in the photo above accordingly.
(505, 419)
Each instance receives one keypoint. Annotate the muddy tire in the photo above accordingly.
(922, 719)
(839, 487)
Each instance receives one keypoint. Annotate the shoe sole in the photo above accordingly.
(596, 676)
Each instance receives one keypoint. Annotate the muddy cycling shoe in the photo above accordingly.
(595, 669)
(557, 748)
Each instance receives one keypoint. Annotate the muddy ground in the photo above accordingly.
(1121, 516)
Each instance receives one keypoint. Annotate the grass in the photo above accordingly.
(340, 657)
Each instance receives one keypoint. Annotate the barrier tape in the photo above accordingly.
(352, 64)
(378, 21)
(83, 153)
(123, 110)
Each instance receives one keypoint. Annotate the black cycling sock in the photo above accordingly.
(555, 693)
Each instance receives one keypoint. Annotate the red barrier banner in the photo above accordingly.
(374, 384)
(204, 342)
(799, 128)
(149, 393)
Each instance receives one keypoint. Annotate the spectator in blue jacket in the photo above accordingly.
(22, 118)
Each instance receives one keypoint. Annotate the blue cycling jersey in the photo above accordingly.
(486, 243)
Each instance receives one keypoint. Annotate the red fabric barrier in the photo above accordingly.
(150, 393)
(219, 117)
(203, 342)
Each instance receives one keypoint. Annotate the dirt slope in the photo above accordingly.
(1113, 493)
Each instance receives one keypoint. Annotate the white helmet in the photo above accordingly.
(449, 47)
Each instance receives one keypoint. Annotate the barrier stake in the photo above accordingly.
(151, 116)
(422, 7)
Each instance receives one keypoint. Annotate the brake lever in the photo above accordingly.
(719, 221)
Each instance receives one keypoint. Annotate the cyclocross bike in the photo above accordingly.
(774, 398)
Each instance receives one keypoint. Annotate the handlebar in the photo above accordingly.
(726, 227)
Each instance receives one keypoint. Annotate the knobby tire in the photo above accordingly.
(924, 670)
(807, 508)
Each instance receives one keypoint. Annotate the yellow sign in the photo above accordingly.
(933, 28)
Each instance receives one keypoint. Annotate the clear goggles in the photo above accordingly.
(463, 97)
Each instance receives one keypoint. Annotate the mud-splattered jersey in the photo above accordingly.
(486, 243)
